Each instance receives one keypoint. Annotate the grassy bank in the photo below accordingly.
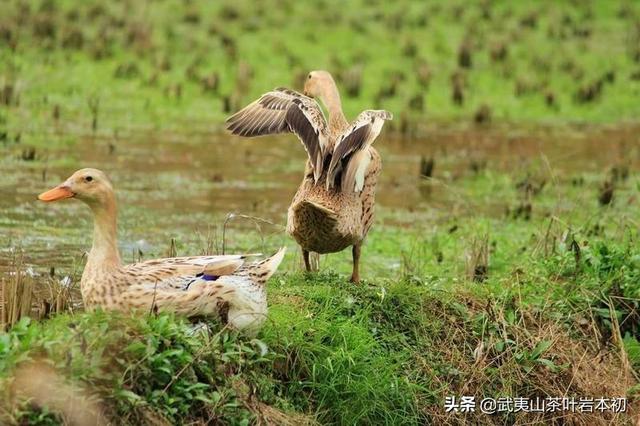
(388, 351)
(333, 353)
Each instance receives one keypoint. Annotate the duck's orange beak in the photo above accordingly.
(58, 193)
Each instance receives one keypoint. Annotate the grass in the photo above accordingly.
(173, 64)
(16, 296)
(385, 353)
(24, 295)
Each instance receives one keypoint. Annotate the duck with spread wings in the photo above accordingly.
(333, 207)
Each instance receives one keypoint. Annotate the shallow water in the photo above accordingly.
(184, 185)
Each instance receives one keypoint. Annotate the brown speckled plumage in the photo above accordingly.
(334, 205)
(190, 286)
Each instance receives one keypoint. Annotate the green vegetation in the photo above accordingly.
(384, 353)
(504, 261)
(69, 66)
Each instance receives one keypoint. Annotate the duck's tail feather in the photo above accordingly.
(354, 176)
(263, 270)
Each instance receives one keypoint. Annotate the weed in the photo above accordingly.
(477, 259)
(16, 295)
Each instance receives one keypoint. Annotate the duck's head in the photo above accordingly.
(89, 185)
(318, 83)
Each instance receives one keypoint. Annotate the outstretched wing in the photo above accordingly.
(283, 111)
(362, 132)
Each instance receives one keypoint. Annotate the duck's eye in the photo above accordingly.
(88, 179)
(309, 77)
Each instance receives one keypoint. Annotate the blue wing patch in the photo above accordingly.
(203, 276)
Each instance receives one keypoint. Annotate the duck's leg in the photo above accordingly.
(311, 260)
(314, 261)
(305, 256)
(355, 275)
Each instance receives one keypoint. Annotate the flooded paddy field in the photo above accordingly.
(183, 186)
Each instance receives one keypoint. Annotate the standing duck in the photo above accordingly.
(333, 207)
(190, 286)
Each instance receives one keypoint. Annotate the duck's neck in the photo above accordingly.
(331, 99)
(105, 245)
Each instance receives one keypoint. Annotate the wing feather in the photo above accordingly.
(285, 111)
(179, 272)
(363, 132)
